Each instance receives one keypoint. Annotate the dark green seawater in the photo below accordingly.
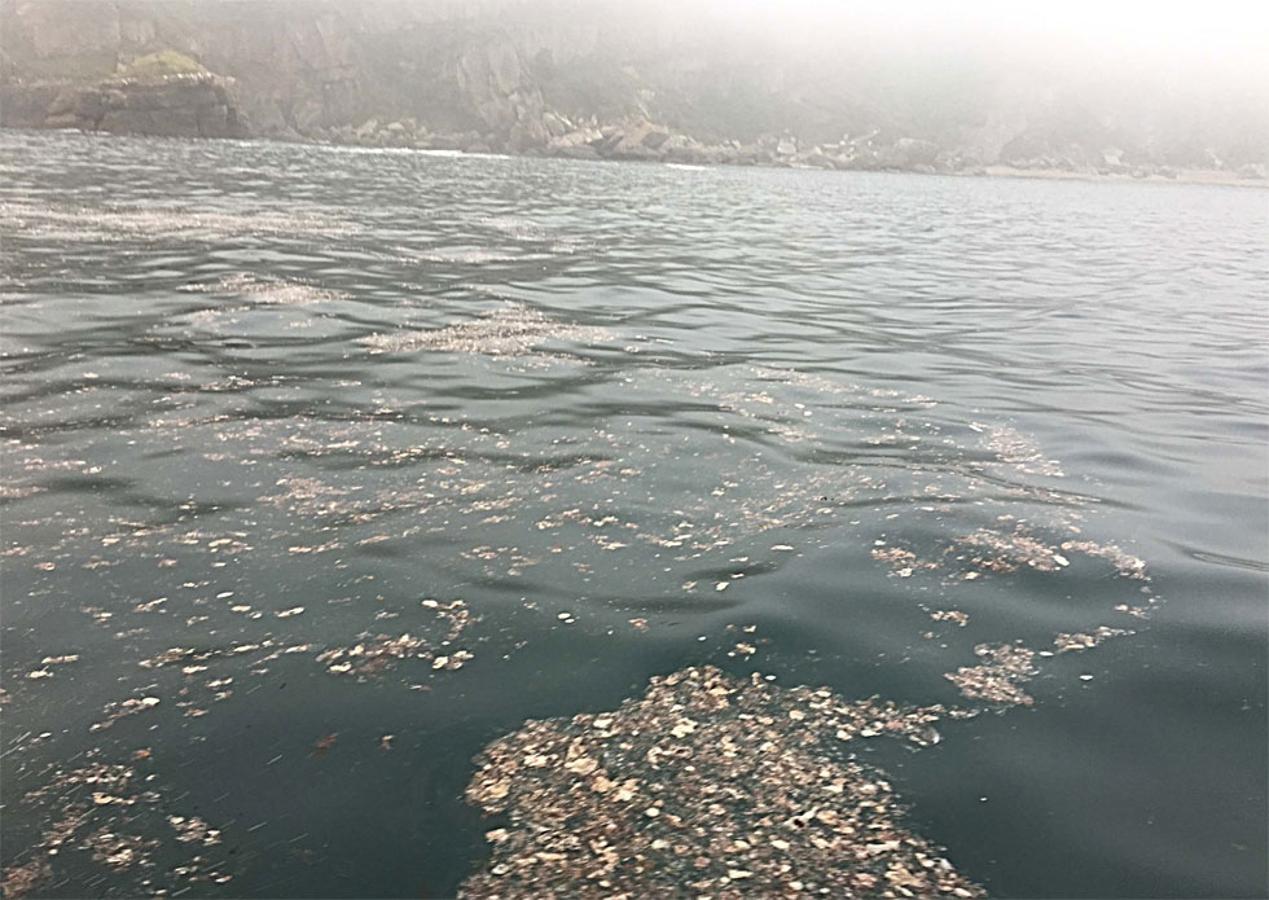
(260, 401)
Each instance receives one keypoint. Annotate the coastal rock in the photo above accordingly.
(1112, 159)
(194, 105)
(682, 149)
(905, 153)
(636, 140)
(816, 158)
(581, 143)
(492, 78)
(556, 125)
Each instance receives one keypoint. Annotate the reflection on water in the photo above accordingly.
(324, 470)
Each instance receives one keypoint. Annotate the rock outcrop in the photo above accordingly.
(189, 105)
(164, 93)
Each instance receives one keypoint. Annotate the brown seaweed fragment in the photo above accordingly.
(119, 851)
(1126, 565)
(1067, 642)
(18, 881)
(998, 679)
(123, 708)
(1013, 448)
(1003, 552)
(376, 654)
(120, 826)
(902, 562)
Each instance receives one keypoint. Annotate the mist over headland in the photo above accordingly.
(1124, 89)
(828, 85)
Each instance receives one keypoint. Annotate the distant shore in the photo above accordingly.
(1180, 176)
(1149, 175)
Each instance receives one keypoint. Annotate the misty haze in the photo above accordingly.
(648, 449)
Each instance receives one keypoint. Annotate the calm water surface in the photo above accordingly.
(261, 401)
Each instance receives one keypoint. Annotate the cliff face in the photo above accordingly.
(586, 78)
(175, 106)
(298, 68)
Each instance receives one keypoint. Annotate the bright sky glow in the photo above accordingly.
(1226, 34)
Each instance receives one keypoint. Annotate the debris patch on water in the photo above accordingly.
(709, 784)
(123, 708)
(999, 679)
(619, 515)
(117, 818)
(374, 655)
(902, 562)
(1066, 642)
(1018, 450)
(1005, 552)
(1126, 565)
(18, 881)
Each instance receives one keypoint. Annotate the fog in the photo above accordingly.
(1237, 31)
(1081, 87)
(1213, 42)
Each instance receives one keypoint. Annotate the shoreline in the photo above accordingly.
(1206, 177)
(1209, 177)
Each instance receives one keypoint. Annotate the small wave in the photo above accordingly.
(511, 330)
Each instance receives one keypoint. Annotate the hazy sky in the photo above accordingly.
(1223, 34)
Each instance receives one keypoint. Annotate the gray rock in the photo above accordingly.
(556, 125)
(655, 138)
(201, 105)
(579, 138)
(906, 153)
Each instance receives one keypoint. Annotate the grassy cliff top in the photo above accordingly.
(160, 65)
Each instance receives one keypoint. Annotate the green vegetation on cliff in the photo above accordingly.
(159, 65)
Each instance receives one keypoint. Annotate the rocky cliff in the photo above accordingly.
(185, 105)
(592, 78)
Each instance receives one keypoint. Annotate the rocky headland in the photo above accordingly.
(589, 81)
(187, 104)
